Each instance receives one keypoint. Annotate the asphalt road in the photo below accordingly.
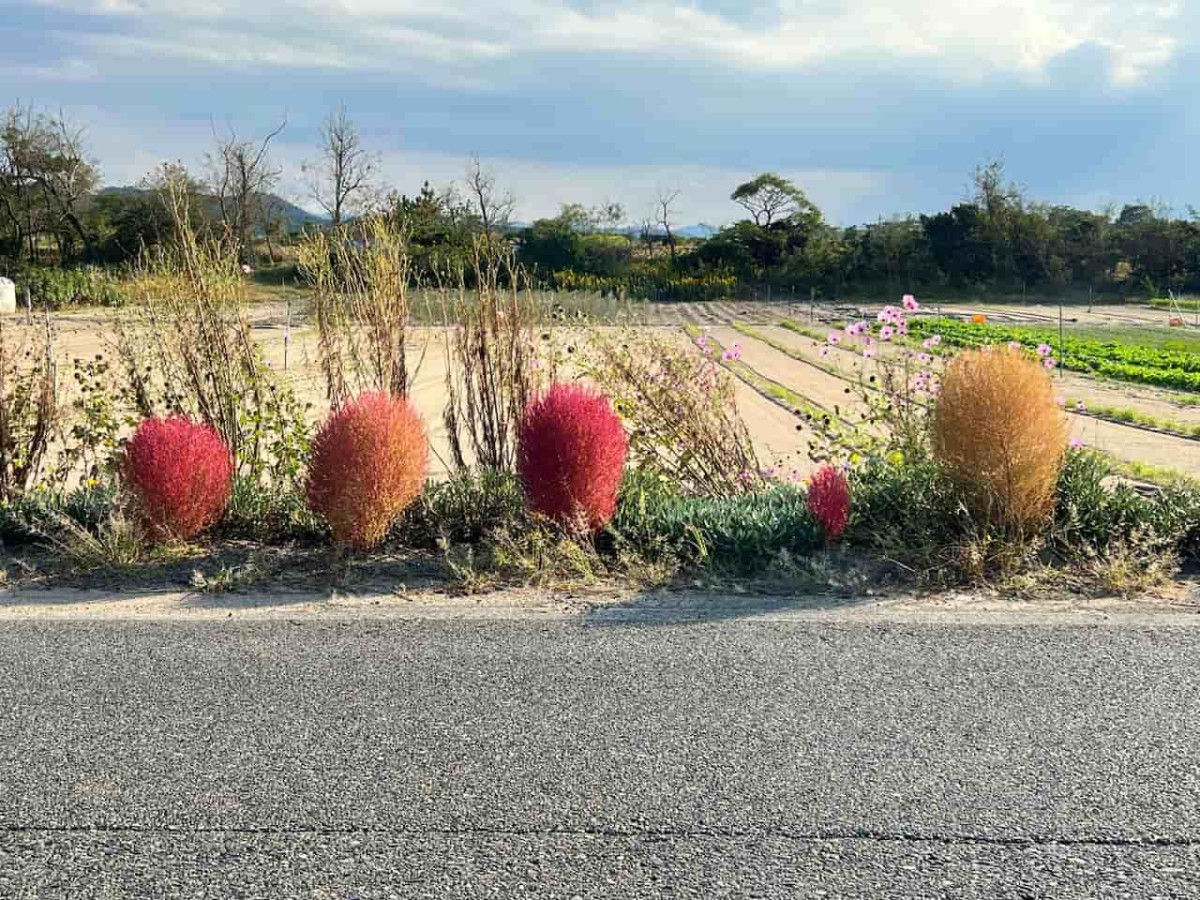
(731, 758)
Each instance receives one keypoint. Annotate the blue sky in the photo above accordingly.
(874, 108)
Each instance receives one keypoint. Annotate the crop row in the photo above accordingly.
(1144, 365)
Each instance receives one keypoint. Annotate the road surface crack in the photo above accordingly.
(646, 834)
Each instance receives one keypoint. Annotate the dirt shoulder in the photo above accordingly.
(1177, 605)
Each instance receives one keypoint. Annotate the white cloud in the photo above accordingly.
(971, 38)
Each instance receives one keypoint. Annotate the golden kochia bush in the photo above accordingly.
(1001, 434)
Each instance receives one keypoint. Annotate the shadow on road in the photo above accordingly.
(671, 608)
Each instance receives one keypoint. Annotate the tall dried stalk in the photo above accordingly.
(679, 408)
(491, 362)
(30, 411)
(188, 348)
(359, 279)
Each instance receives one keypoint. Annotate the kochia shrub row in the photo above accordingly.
(369, 461)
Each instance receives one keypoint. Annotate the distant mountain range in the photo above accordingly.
(294, 217)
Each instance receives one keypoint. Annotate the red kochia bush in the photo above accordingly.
(369, 461)
(571, 456)
(829, 501)
(180, 474)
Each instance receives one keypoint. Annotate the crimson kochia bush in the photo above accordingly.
(571, 456)
(179, 474)
(829, 501)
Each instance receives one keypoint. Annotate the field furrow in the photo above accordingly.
(1124, 442)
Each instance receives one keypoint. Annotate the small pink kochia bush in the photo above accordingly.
(829, 501)
(179, 474)
(369, 462)
(571, 456)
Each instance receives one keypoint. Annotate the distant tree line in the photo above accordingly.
(52, 211)
(996, 239)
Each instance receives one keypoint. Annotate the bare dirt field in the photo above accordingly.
(823, 381)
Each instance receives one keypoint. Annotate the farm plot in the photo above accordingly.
(1095, 393)
(768, 350)
(794, 359)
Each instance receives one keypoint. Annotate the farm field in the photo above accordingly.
(770, 353)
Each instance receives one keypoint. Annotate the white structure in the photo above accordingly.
(8, 296)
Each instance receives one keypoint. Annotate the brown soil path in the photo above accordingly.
(1121, 441)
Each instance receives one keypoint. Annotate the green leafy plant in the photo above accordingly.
(1177, 369)
(741, 533)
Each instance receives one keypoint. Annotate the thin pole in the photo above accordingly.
(1062, 350)
(287, 332)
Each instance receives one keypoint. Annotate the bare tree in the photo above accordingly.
(241, 176)
(341, 180)
(46, 179)
(663, 215)
(495, 208)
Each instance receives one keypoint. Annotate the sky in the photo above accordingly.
(873, 107)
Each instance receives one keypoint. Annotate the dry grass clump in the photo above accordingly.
(679, 409)
(30, 411)
(1002, 436)
(359, 278)
(492, 367)
(187, 348)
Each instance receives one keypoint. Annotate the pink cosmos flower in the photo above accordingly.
(910, 303)
(733, 352)
(835, 337)
(924, 359)
(1081, 406)
(1049, 362)
(823, 352)
(1044, 350)
(857, 328)
(1076, 443)
(886, 333)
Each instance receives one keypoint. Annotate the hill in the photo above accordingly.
(294, 217)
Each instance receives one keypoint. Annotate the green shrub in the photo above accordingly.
(742, 533)
(59, 288)
(1092, 516)
(472, 505)
(270, 514)
(909, 513)
(25, 519)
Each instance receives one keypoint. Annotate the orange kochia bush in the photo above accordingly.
(179, 475)
(369, 462)
(571, 456)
